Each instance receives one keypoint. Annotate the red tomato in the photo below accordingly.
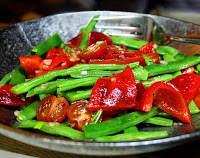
(168, 98)
(94, 37)
(76, 40)
(188, 84)
(95, 51)
(52, 109)
(7, 97)
(73, 56)
(197, 100)
(117, 92)
(126, 55)
(78, 115)
(189, 70)
(30, 64)
(150, 51)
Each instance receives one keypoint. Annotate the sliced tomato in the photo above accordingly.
(54, 52)
(78, 115)
(52, 109)
(117, 92)
(95, 51)
(150, 51)
(94, 37)
(7, 97)
(76, 40)
(197, 100)
(112, 49)
(188, 84)
(189, 70)
(168, 98)
(30, 64)
(121, 54)
(73, 55)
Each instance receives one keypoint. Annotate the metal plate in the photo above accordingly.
(18, 40)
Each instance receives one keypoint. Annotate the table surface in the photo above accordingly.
(9, 146)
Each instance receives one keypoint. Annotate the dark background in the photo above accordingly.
(13, 11)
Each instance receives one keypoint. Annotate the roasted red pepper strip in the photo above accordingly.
(30, 64)
(7, 97)
(150, 51)
(188, 84)
(115, 92)
(168, 98)
(98, 36)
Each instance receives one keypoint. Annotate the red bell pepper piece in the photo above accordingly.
(95, 51)
(168, 98)
(7, 97)
(189, 70)
(150, 51)
(94, 37)
(30, 64)
(197, 100)
(114, 93)
(188, 84)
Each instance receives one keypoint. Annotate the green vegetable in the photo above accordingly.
(51, 42)
(18, 77)
(131, 129)
(78, 95)
(173, 66)
(179, 56)
(159, 121)
(26, 86)
(42, 96)
(6, 79)
(168, 57)
(86, 30)
(53, 128)
(163, 50)
(133, 136)
(67, 85)
(117, 124)
(29, 112)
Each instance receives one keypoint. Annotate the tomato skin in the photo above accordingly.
(7, 97)
(94, 51)
(52, 109)
(78, 115)
(189, 70)
(150, 51)
(94, 37)
(30, 64)
(188, 84)
(168, 98)
(76, 40)
(117, 92)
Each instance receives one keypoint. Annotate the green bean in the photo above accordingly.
(165, 77)
(173, 66)
(179, 56)
(86, 30)
(117, 124)
(139, 73)
(163, 50)
(26, 86)
(67, 85)
(51, 42)
(133, 136)
(136, 44)
(42, 96)
(18, 76)
(78, 95)
(131, 129)
(53, 128)
(6, 79)
(45, 88)
(168, 57)
(159, 121)
(29, 112)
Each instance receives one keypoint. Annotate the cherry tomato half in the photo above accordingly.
(78, 115)
(52, 109)
(95, 51)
